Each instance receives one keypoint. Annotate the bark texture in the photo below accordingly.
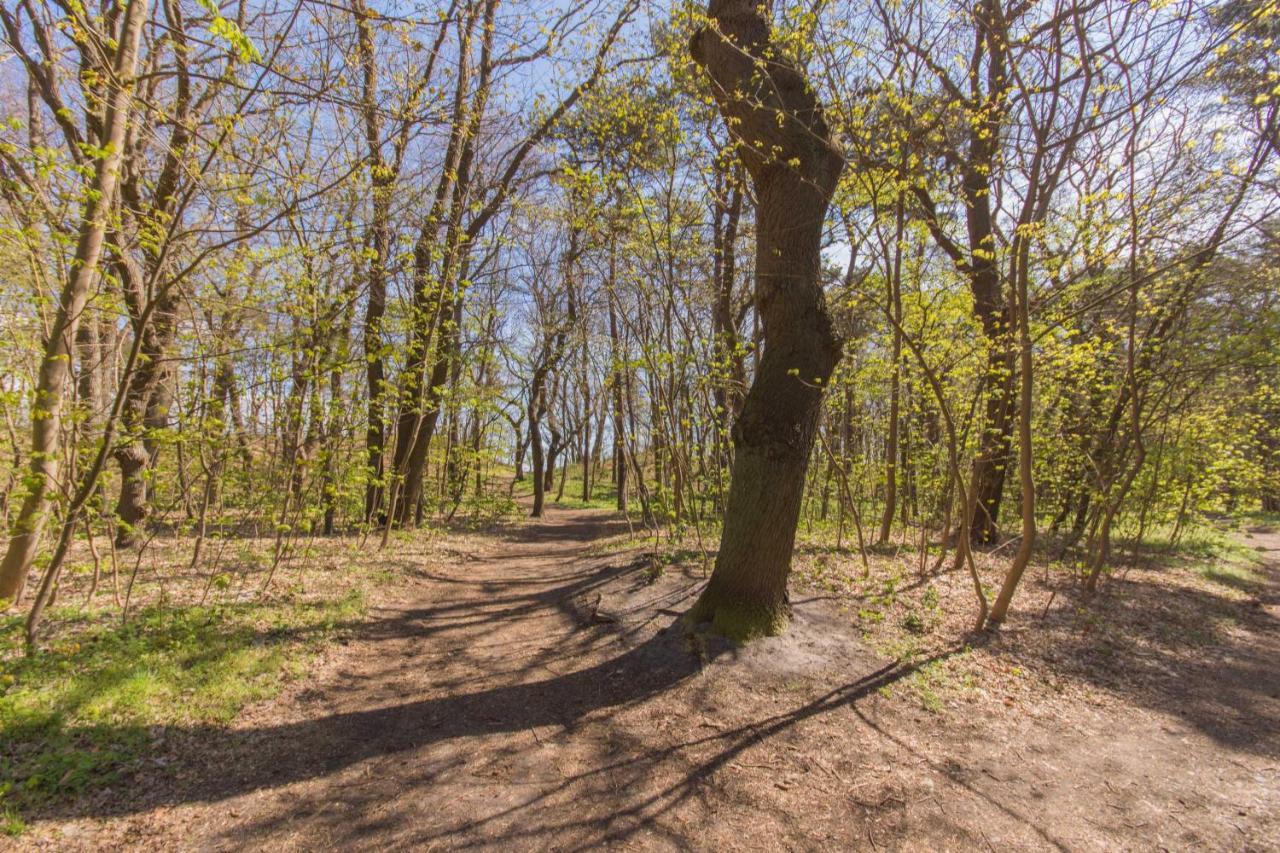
(55, 368)
(785, 146)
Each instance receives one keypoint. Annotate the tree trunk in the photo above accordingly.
(895, 388)
(378, 241)
(1000, 610)
(433, 296)
(619, 388)
(785, 145)
(539, 461)
(145, 407)
(522, 444)
(55, 367)
(553, 455)
(419, 428)
(731, 372)
(990, 464)
(585, 425)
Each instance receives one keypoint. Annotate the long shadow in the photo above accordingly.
(1210, 659)
(218, 764)
(272, 756)
(634, 804)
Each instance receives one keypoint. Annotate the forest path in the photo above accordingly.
(1266, 542)
(475, 709)
(532, 691)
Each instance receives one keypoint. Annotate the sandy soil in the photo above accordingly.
(535, 691)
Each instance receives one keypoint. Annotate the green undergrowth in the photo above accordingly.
(100, 698)
(1260, 522)
(598, 501)
(1216, 552)
(1235, 569)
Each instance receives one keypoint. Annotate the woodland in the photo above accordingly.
(654, 424)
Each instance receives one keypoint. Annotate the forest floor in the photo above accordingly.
(532, 688)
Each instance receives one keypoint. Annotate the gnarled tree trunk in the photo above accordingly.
(785, 145)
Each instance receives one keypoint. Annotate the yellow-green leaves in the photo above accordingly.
(229, 32)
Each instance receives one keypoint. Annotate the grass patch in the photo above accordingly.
(1232, 574)
(937, 681)
(75, 716)
(1257, 521)
(603, 497)
(579, 503)
(11, 823)
(1215, 552)
(1221, 557)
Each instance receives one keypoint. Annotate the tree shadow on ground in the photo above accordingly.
(1180, 648)
(1135, 641)
(213, 764)
(275, 756)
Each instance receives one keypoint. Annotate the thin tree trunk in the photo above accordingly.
(1026, 481)
(536, 451)
(619, 389)
(55, 366)
(895, 387)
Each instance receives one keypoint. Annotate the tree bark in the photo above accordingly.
(785, 146)
(1022, 313)
(378, 241)
(731, 372)
(55, 367)
(618, 381)
(145, 406)
(536, 408)
(148, 391)
(895, 388)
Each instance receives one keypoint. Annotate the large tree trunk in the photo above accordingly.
(785, 146)
(418, 428)
(1026, 481)
(55, 367)
(991, 462)
(992, 311)
(433, 294)
(977, 164)
(153, 307)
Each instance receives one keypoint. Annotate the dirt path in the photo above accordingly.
(536, 694)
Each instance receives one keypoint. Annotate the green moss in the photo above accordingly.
(739, 622)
